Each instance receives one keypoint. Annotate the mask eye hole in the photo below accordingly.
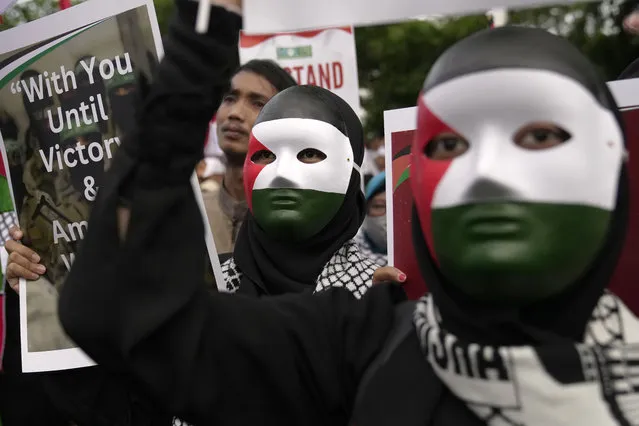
(537, 136)
(446, 146)
(263, 157)
(311, 156)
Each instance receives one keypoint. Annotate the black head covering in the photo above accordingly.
(565, 316)
(272, 267)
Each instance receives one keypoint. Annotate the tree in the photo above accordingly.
(30, 11)
(595, 28)
(394, 59)
(164, 10)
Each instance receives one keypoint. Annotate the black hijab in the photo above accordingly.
(565, 316)
(271, 267)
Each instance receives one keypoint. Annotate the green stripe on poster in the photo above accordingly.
(28, 63)
(403, 177)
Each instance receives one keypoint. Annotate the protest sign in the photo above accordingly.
(295, 15)
(324, 58)
(399, 128)
(69, 84)
(5, 4)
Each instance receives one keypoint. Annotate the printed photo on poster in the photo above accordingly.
(399, 128)
(69, 93)
(324, 57)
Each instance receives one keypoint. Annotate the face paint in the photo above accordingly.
(508, 216)
(296, 175)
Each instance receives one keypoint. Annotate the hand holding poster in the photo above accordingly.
(399, 128)
(324, 58)
(70, 82)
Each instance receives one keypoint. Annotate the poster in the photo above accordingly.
(5, 4)
(69, 84)
(294, 15)
(324, 58)
(399, 126)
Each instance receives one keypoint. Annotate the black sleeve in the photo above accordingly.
(195, 67)
(213, 358)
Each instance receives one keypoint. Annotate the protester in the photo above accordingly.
(517, 258)
(371, 238)
(252, 85)
(327, 257)
(303, 185)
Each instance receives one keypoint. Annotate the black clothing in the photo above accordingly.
(219, 359)
(210, 359)
(272, 267)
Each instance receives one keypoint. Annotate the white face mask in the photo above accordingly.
(286, 138)
(375, 229)
(593, 155)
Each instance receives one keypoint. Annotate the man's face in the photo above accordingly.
(514, 201)
(296, 176)
(238, 112)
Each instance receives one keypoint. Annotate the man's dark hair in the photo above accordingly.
(268, 69)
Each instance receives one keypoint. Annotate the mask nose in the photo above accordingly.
(493, 179)
(286, 173)
(282, 182)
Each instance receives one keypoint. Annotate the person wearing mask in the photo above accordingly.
(303, 186)
(252, 85)
(517, 329)
(305, 199)
(371, 238)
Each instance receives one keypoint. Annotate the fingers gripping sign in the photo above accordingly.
(23, 262)
(388, 274)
